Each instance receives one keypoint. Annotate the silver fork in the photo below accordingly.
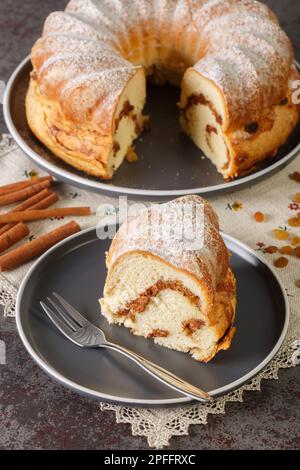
(86, 335)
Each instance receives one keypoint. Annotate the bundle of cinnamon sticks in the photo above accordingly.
(35, 198)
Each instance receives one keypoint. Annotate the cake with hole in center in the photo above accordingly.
(231, 58)
(171, 286)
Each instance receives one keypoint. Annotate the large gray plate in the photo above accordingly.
(75, 268)
(169, 165)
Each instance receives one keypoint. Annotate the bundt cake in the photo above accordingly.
(88, 85)
(171, 285)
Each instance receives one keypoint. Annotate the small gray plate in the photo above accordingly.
(75, 268)
(169, 164)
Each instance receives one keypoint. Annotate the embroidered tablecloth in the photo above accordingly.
(273, 197)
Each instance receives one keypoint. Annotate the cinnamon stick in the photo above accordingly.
(9, 188)
(31, 201)
(37, 247)
(24, 193)
(12, 236)
(50, 199)
(23, 216)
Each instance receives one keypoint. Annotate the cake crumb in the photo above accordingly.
(131, 155)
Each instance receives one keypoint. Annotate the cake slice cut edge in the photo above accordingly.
(234, 148)
(98, 144)
(160, 301)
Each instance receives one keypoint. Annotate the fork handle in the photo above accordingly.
(162, 374)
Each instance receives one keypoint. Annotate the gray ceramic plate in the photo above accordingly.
(169, 165)
(75, 268)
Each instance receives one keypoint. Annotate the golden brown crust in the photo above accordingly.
(225, 308)
(87, 144)
(84, 149)
(246, 150)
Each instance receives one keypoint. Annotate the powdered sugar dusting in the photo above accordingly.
(61, 22)
(115, 74)
(102, 14)
(232, 69)
(237, 44)
(73, 44)
(239, 23)
(184, 232)
(81, 94)
(62, 67)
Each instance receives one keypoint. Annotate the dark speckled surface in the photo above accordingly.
(36, 413)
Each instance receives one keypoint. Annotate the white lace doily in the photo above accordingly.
(273, 197)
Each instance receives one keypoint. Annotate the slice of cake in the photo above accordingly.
(169, 278)
(226, 129)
